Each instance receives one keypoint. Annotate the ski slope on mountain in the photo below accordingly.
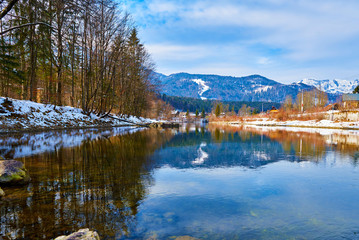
(202, 87)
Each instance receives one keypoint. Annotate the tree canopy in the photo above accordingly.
(81, 53)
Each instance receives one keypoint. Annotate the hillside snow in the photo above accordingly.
(202, 87)
(263, 89)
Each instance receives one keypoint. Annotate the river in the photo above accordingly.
(206, 182)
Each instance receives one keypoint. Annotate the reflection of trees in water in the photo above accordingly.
(219, 135)
(99, 185)
(311, 146)
(306, 145)
(20, 145)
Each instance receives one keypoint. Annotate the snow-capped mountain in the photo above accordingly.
(335, 86)
(254, 88)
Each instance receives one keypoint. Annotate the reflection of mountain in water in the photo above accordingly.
(220, 149)
(201, 155)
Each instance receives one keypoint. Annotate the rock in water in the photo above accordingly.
(13, 172)
(83, 234)
(1, 193)
(186, 238)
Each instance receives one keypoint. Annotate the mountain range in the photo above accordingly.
(335, 86)
(253, 88)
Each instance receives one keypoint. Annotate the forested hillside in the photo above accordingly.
(193, 104)
(69, 52)
(253, 88)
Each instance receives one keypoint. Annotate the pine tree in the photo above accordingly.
(218, 110)
(10, 75)
(203, 114)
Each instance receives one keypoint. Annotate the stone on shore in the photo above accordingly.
(1, 193)
(83, 234)
(13, 172)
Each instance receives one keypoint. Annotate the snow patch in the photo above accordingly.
(202, 87)
(263, 89)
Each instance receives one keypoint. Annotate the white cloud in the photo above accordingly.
(313, 37)
(176, 52)
(264, 61)
(308, 30)
(158, 6)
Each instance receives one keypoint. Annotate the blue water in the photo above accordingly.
(203, 183)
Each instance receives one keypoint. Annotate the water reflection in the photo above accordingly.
(217, 148)
(208, 182)
(99, 184)
(19, 145)
(201, 155)
(308, 144)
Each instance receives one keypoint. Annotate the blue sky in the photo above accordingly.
(285, 40)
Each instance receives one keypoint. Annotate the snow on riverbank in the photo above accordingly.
(18, 115)
(321, 131)
(323, 124)
(310, 123)
(333, 132)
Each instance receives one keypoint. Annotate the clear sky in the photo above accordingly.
(285, 40)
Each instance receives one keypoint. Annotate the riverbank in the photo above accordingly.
(265, 122)
(21, 115)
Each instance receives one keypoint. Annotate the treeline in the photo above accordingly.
(193, 104)
(306, 100)
(70, 52)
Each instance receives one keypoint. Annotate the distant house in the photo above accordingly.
(273, 110)
(351, 100)
(334, 106)
(182, 115)
(175, 113)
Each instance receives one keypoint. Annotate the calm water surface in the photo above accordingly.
(203, 182)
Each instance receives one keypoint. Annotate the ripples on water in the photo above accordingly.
(207, 183)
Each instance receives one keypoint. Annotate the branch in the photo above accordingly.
(25, 25)
(8, 8)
